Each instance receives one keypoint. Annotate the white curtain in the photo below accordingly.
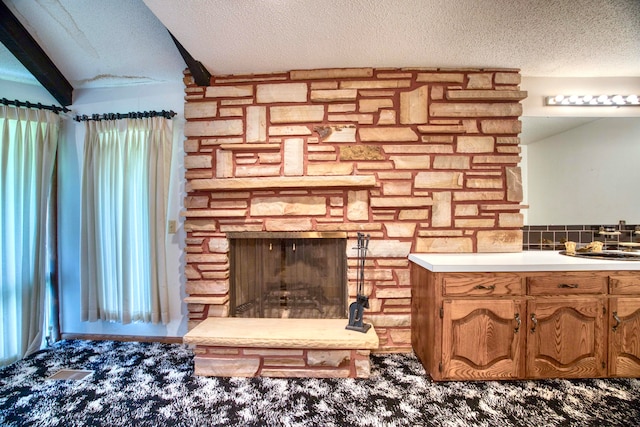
(124, 215)
(29, 141)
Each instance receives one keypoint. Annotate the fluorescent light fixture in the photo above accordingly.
(593, 100)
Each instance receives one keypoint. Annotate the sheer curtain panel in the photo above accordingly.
(124, 215)
(29, 141)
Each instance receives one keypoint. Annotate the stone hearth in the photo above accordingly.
(240, 347)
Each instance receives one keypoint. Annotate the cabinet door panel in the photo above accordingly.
(624, 337)
(482, 339)
(566, 337)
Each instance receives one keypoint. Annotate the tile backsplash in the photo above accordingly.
(552, 237)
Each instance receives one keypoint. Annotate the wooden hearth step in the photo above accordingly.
(246, 347)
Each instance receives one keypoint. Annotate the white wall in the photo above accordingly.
(588, 175)
(116, 100)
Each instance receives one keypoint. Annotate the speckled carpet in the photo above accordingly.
(151, 384)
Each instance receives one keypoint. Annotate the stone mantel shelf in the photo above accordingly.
(255, 183)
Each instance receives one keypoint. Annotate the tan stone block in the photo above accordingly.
(331, 95)
(218, 245)
(394, 188)
(333, 358)
(361, 152)
(206, 258)
(293, 157)
(475, 223)
(402, 202)
(499, 241)
(256, 171)
(411, 162)
(195, 202)
(363, 368)
(440, 233)
(324, 85)
(475, 144)
(218, 311)
(508, 220)
(441, 129)
(441, 211)
(198, 174)
(440, 77)
(413, 106)
(341, 108)
(289, 224)
(484, 183)
(292, 205)
(283, 361)
(324, 157)
(224, 164)
(273, 352)
(231, 112)
(297, 113)
(289, 130)
(213, 128)
(495, 159)
(514, 184)
(331, 73)
(501, 126)
(387, 117)
(413, 214)
(444, 244)
(387, 134)
(363, 119)
(281, 92)
(462, 196)
(480, 81)
(219, 350)
(256, 124)
(512, 140)
(306, 373)
(336, 133)
(220, 141)
(197, 110)
(438, 180)
(491, 95)
(466, 210)
(507, 78)
(451, 162)
(329, 169)
(228, 91)
(386, 320)
(400, 336)
(358, 205)
(473, 109)
(400, 229)
(374, 84)
(373, 105)
(191, 273)
(508, 149)
(191, 146)
(223, 367)
(200, 225)
(393, 292)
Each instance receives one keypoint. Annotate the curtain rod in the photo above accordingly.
(130, 115)
(38, 105)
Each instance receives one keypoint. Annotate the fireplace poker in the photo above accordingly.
(356, 309)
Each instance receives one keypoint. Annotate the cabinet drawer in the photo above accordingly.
(482, 284)
(627, 284)
(566, 284)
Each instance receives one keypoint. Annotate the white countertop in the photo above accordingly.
(517, 261)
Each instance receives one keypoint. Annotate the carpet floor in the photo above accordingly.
(152, 384)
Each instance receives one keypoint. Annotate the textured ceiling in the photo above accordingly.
(98, 43)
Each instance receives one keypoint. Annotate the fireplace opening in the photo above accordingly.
(296, 275)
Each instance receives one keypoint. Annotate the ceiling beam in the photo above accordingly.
(199, 72)
(18, 40)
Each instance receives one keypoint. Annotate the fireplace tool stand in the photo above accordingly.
(356, 309)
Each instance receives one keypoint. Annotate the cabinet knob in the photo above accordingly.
(568, 285)
(518, 322)
(485, 288)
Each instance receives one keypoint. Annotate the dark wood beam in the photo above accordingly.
(199, 72)
(18, 40)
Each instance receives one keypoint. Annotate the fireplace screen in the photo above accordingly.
(288, 277)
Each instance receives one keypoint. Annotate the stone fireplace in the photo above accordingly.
(422, 160)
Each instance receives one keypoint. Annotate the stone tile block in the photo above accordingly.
(281, 92)
(226, 367)
(297, 113)
(499, 241)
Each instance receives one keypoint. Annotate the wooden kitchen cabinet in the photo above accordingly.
(624, 325)
(516, 325)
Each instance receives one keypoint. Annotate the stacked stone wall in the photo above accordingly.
(423, 160)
